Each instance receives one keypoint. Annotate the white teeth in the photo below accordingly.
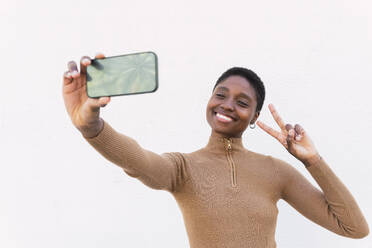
(223, 117)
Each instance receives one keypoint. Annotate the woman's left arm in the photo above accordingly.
(335, 208)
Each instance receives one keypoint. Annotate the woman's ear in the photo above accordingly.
(256, 115)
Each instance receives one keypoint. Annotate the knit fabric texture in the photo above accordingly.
(228, 194)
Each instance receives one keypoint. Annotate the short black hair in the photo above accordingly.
(251, 77)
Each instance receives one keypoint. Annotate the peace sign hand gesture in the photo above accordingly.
(294, 139)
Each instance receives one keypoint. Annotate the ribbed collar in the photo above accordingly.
(220, 144)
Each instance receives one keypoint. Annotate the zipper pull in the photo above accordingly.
(228, 144)
(230, 160)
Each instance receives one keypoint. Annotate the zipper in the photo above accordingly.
(228, 146)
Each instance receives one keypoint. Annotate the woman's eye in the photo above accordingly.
(220, 95)
(242, 104)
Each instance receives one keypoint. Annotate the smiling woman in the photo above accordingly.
(227, 193)
(236, 101)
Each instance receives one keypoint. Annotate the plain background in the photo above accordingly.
(56, 191)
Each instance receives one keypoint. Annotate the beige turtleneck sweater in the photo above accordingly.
(228, 194)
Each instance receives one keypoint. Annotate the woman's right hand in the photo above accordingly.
(83, 110)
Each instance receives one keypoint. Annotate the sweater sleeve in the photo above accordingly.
(334, 209)
(163, 172)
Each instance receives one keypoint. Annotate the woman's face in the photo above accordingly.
(232, 107)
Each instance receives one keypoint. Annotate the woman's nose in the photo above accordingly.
(228, 105)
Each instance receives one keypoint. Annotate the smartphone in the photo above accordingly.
(129, 74)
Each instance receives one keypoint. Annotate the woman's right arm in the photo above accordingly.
(166, 171)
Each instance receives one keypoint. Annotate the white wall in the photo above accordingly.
(56, 191)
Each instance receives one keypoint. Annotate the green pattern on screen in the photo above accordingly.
(122, 75)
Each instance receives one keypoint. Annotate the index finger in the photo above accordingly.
(85, 61)
(277, 118)
(269, 130)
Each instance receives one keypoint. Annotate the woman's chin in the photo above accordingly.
(223, 130)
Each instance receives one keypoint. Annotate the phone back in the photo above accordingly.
(135, 73)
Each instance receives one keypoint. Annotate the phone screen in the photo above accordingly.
(135, 73)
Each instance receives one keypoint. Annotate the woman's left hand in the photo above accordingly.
(294, 139)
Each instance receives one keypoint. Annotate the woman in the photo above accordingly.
(227, 194)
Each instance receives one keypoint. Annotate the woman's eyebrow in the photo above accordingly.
(222, 88)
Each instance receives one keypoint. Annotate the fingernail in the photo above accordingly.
(86, 61)
(74, 73)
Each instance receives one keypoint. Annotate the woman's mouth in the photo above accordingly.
(223, 118)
